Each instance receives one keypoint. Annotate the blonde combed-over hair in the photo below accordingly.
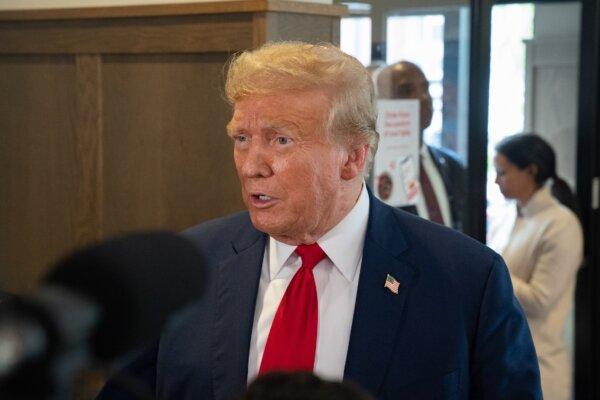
(297, 66)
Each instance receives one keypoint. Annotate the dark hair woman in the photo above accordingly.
(542, 244)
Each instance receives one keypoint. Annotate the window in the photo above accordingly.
(420, 39)
(355, 38)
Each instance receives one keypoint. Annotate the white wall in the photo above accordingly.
(553, 82)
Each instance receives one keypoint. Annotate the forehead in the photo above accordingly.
(404, 81)
(294, 108)
(501, 162)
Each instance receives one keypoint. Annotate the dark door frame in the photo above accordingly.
(587, 321)
(479, 89)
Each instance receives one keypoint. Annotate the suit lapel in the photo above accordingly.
(237, 285)
(377, 312)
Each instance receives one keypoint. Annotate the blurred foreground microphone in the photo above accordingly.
(96, 305)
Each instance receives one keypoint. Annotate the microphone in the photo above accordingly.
(95, 305)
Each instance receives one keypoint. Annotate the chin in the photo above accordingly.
(265, 223)
(508, 196)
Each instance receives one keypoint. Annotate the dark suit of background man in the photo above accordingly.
(442, 174)
(403, 307)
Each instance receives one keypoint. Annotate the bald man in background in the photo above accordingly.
(441, 173)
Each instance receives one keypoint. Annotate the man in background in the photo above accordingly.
(441, 173)
(320, 276)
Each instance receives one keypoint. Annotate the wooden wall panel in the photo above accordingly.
(88, 151)
(37, 160)
(168, 161)
(183, 34)
(113, 119)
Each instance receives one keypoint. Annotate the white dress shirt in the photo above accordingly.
(437, 183)
(542, 244)
(336, 278)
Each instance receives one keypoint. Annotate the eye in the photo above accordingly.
(283, 140)
(405, 89)
(240, 140)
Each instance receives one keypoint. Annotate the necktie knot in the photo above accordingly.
(311, 254)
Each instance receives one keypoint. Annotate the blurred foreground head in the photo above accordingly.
(301, 385)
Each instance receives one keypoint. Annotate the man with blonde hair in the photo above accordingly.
(320, 276)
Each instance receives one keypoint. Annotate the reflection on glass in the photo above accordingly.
(440, 191)
(511, 26)
(533, 88)
(427, 60)
(420, 39)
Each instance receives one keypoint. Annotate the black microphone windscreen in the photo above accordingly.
(137, 281)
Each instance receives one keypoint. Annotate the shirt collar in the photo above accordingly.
(540, 200)
(335, 243)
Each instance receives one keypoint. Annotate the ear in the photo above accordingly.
(533, 170)
(355, 162)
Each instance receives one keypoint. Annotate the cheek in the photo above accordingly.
(237, 161)
(300, 169)
(323, 173)
(507, 186)
(312, 167)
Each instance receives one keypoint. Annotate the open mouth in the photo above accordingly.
(261, 200)
(261, 197)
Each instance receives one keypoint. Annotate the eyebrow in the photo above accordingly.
(232, 128)
(275, 125)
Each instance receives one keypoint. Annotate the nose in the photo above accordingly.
(497, 180)
(255, 162)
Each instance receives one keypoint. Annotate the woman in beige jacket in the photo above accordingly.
(542, 244)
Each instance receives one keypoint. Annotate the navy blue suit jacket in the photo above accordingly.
(454, 330)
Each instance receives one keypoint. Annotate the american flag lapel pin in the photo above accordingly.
(392, 284)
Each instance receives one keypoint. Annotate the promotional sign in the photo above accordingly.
(396, 164)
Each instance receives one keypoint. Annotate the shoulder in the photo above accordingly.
(439, 250)
(561, 222)
(565, 215)
(451, 268)
(216, 236)
(219, 226)
(445, 156)
(438, 239)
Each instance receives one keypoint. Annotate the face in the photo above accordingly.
(408, 82)
(294, 180)
(514, 183)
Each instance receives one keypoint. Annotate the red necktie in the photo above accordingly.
(433, 208)
(292, 340)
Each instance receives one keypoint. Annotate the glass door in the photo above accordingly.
(496, 68)
(534, 84)
(420, 54)
(543, 81)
